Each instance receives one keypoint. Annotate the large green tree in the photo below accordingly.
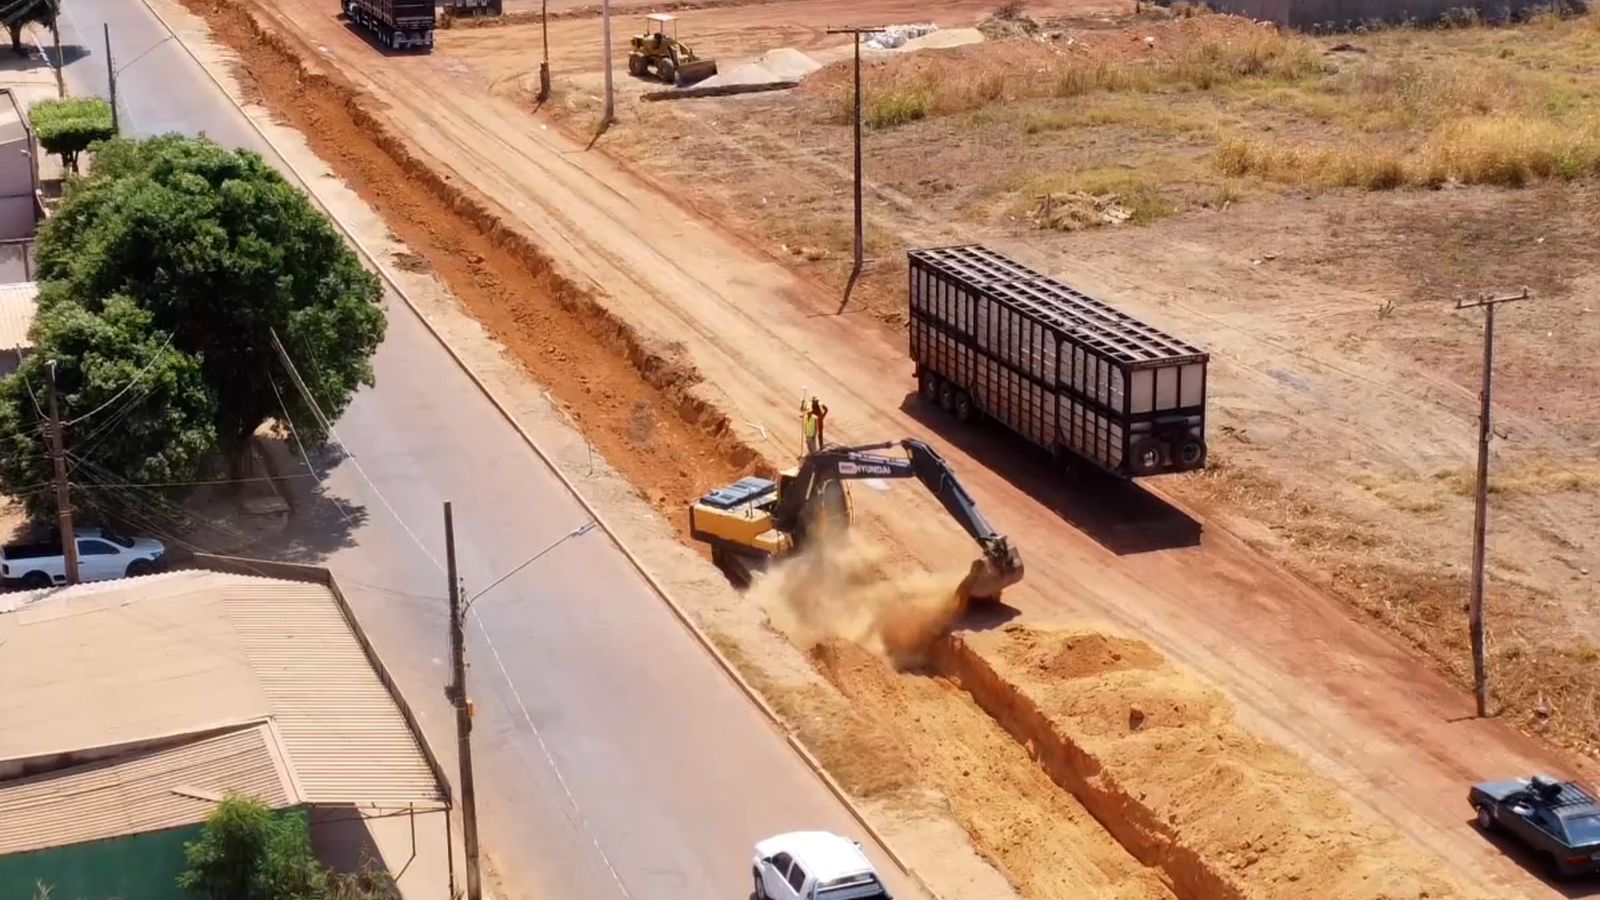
(223, 254)
(150, 413)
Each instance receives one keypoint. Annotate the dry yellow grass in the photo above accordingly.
(897, 94)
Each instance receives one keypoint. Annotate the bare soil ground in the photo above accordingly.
(489, 197)
(1343, 393)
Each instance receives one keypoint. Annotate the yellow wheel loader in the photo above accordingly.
(663, 57)
(753, 521)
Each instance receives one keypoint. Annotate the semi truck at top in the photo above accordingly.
(398, 24)
(995, 339)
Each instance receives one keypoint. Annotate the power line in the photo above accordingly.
(142, 372)
(299, 383)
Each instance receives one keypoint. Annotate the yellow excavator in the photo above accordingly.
(656, 54)
(755, 520)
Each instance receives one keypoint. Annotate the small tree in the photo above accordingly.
(248, 852)
(19, 13)
(69, 126)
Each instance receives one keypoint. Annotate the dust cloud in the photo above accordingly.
(841, 588)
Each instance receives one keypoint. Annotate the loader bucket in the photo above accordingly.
(695, 72)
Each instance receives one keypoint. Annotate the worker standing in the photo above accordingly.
(815, 418)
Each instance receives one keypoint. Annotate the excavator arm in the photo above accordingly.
(817, 480)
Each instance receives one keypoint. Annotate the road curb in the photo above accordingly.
(681, 614)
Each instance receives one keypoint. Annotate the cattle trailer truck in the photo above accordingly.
(399, 24)
(993, 338)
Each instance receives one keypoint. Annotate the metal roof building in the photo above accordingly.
(132, 706)
(18, 303)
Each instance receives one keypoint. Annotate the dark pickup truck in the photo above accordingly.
(1558, 820)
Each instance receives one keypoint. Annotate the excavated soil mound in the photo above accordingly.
(1159, 760)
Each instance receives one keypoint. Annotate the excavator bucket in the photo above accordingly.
(991, 574)
(695, 72)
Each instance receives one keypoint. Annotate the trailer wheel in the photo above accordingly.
(1192, 453)
(965, 412)
(929, 387)
(1145, 457)
(947, 396)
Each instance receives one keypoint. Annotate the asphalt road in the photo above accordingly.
(613, 758)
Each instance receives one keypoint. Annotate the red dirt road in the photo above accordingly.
(1303, 672)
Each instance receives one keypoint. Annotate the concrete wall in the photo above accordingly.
(414, 848)
(1341, 15)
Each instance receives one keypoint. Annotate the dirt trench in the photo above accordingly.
(631, 399)
(1156, 757)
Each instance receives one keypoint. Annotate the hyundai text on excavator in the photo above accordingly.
(755, 520)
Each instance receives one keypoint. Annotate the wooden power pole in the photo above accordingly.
(1480, 516)
(69, 543)
(457, 692)
(860, 250)
(608, 111)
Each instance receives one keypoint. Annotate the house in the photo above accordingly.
(20, 207)
(18, 302)
(133, 706)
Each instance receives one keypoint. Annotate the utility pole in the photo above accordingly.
(1480, 516)
(608, 113)
(55, 43)
(69, 543)
(111, 79)
(457, 692)
(544, 67)
(855, 270)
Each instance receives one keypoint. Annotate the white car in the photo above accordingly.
(814, 865)
(102, 556)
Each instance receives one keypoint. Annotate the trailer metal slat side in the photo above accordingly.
(398, 24)
(1066, 371)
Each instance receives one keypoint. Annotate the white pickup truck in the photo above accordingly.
(814, 865)
(102, 556)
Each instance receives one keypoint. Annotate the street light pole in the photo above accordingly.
(111, 78)
(457, 693)
(1480, 514)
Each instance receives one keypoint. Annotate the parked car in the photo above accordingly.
(1558, 820)
(814, 865)
(102, 555)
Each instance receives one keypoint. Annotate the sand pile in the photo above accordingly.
(784, 64)
(1158, 759)
(841, 588)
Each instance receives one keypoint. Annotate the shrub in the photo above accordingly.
(71, 125)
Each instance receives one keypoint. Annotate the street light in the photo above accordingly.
(113, 71)
(456, 691)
